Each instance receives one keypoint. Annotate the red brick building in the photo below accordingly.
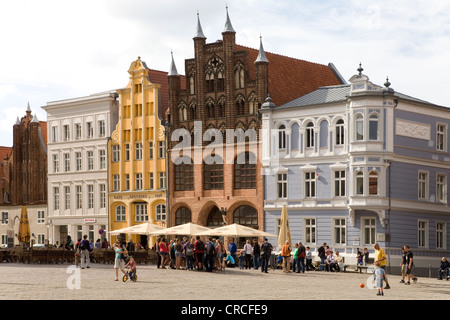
(226, 84)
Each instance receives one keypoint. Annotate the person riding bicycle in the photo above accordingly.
(132, 265)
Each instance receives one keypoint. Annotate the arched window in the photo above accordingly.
(373, 183)
(191, 84)
(246, 215)
(239, 76)
(182, 216)
(340, 132)
(220, 81)
(192, 112)
(373, 127)
(182, 113)
(210, 109)
(240, 106)
(245, 171)
(359, 124)
(213, 175)
(209, 81)
(282, 137)
(221, 108)
(359, 183)
(184, 176)
(121, 213)
(214, 218)
(160, 214)
(310, 135)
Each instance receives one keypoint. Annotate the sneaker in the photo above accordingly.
(387, 287)
(407, 283)
(402, 281)
(415, 280)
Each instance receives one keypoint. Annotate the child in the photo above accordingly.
(309, 265)
(132, 265)
(228, 261)
(241, 260)
(379, 276)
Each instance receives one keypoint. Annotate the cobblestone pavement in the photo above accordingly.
(50, 282)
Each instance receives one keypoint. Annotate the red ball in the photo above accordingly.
(362, 285)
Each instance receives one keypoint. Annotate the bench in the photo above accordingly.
(359, 268)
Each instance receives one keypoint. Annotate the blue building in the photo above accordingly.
(357, 164)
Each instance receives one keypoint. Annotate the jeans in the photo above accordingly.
(322, 262)
(190, 262)
(209, 262)
(256, 261)
(301, 265)
(446, 273)
(264, 263)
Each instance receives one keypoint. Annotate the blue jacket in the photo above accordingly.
(232, 248)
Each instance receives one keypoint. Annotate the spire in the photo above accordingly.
(261, 54)
(228, 25)
(28, 107)
(18, 121)
(199, 31)
(173, 69)
(35, 119)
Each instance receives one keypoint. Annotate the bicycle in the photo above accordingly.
(130, 275)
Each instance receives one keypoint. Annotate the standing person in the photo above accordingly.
(301, 257)
(219, 255)
(77, 253)
(379, 275)
(199, 250)
(403, 265)
(295, 263)
(409, 264)
(178, 247)
(158, 253)
(256, 254)
(189, 253)
(232, 248)
(266, 253)
(210, 255)
(366, 256)
(308, 256)
(248, 250)
(286, 254)
(164, 251)
(85, 248)
(118, 261)
(380, 257)
(321, 253)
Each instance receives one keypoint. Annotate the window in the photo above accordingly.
(90, 159)
(310, 184)
(115, 153)
(339, 231)
(41, 216)
(310, 230)
(54, 134)
(90, 188)
(282, 137)
(209, 82)
(359, 127)
(79, 197)
(441, 237)
(210, 113)
(213, 176)
(141, 212)
(161, 149)
(239, 76)
(78, 160)
(138, 181)
(89, 130)
(422, 233)
(340, 132)
(162, 180)
(4, 217)
(138, 151)
(77, 131)
(150, 181)
(441, 134)
(56, 163)
(373, 127)
(245, 173)
(441, 188)
(310, 135)
(101, 128)
(121, 213)
(116, 182)
(150, 150)
(127, 181)
(373, 183)
(240, 107)
(127, 152)
(102, 157)
(67, 198)
(56, 198)
(182, 216)
(66, 130)
(214, 218)
(160, 212)
(423, 186)
(359, 183)
(339, 183)
(369, 230)
(247, 216)
(191, 85)
(184, 177)
(66, 162)
(282, 185)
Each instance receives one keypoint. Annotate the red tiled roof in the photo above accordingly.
(160, 77)
(290, 78)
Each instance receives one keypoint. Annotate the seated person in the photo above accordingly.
(444, 270)
(331, 264)
(339, 260)
(229, 261)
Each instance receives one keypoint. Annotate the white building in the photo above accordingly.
(78, 131)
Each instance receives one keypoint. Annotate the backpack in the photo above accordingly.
(210, 248)
(189, 250)
(82, 246)
(200, 245)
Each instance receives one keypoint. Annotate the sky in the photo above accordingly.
(54, 50)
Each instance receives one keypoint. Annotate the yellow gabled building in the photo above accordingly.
(137, 175)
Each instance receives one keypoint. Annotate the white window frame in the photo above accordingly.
(339, 229)
(441, 232)
(441, 135)
(423, 183)
(78, 160)
(162, 180)
(359, 175)
(160, 212)
(90, 192)
(310, 184)
(339, 133)
(372, 228)
(79, 196)
(41, 217)
(138, 181)
(67, 197)
(66, 162)
(56, 198)
(116, 153)
(102, 188)
(56, 163)
(90, 160)
(161, 149)
(120, 213)
(422, 233)
(342, 189)
(441, 188)
(141, 212)
(116, 182)
(282, 185)
(311, 236)
(309, 135)
(101, 128)
(138, 151)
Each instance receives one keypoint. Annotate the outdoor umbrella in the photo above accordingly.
(235, 230)
(144, 228)
(285, 232)
(24, 234)
(182, 229)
